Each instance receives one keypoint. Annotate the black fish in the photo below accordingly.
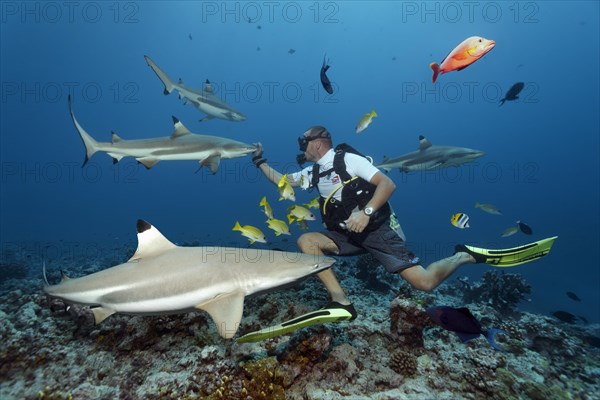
(291, 51)
(513, 92)
(573, 296)
(324, 79)
(565, 316)
(524, 228)
(463, 323)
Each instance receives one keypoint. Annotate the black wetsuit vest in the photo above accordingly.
(356, 192)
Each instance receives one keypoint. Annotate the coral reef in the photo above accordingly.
(389, 352)
(404, 363)
(407, 320)
(13, 270)
(501, 290)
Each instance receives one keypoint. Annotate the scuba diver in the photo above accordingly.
(354, 208)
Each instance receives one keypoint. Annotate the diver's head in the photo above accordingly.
(314, 143)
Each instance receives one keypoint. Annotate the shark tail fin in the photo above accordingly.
(436, 71)
(91, 145)
(162, 75)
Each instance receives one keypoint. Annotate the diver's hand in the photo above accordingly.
(357, 222)
(258, 153)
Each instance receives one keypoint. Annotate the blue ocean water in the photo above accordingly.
(542, 151)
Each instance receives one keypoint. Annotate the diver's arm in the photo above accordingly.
(358, 220)
(383, 192)
(275, 176)
(271, 174)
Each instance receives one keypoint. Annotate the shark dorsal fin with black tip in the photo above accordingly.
(424, 144)
(116, 138)
(208, 87)
(180, 129)
(150, 241)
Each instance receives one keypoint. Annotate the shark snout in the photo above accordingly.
(238, 117)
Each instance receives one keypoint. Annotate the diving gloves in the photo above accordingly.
(509, 257)
(333, 312)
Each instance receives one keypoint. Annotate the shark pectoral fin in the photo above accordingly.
(226, 311)
(212, 163)
(101, 313)
(207, 118)
(148, 162)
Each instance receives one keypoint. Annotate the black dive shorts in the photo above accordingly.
(384, 243)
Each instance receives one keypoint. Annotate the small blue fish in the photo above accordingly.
(463, 323)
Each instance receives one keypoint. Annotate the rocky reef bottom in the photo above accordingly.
(391, 351)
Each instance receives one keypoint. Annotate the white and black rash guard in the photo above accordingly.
(355, 165)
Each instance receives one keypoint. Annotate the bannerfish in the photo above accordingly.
(488, 208)
(460, 220)
(365, 121)
(526, 229)
(463, 55)
(266, 207)
(252, 233)
(463, 323)
(324, 79)
(513, 92)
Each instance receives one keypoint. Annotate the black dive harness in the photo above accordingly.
(356, 193)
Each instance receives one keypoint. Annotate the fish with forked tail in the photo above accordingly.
(463, 323)
(463, 55)
(324, 79)
(162, 278)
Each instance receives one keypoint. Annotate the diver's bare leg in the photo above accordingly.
(429, 278)
(319, 244)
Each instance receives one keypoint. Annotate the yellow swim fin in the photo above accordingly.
(334, 312)
(509, 257)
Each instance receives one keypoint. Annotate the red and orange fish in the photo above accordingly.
(463, 55)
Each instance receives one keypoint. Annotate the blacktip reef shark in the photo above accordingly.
(181, 145)
(429, 157)
(204, 100)
(162, 278)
